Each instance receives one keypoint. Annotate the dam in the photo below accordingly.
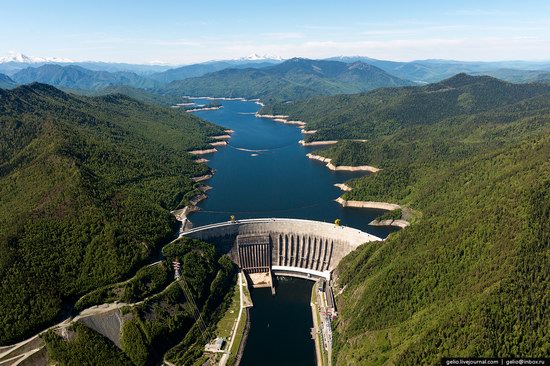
(290, 247)
(292, 250)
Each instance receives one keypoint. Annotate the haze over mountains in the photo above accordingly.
(256, 76)
(293, 79)
(17, 61)
(428, 71)
(196, 70)
(76, 77)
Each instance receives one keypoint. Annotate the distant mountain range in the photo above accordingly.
(428, 71)
(76, 77)
(296, 78)
(204, 68)
(6, 82)
(15, 62)
(256, 76)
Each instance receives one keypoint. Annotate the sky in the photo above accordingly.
(184, 32)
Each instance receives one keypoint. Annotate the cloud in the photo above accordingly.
(284, 35)
(390, 44)
(107, 40)
(483, 12)
(177, 42)
(389, 32)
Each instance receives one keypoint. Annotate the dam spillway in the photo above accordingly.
(293, 247)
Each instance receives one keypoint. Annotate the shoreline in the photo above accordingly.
(282, 119)
(218, 143)
(244, 338)
(318, 143)
(368, 204)
(343, 186)
(221, 137)
(202, 152)
(400, 223)
(182, 215)
(349, 168)
(240, 99)
(203, 109)
(397, 223)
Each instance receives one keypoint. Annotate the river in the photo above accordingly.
(272, 340)
(264, 172)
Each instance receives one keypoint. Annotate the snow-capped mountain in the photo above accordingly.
(256, 57)
(21, 58)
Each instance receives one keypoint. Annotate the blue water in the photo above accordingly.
(280, 332)
(275, 180)
(279, 182)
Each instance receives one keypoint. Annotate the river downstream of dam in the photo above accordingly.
(264, 172)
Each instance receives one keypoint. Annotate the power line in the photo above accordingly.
(196, 313)
(269, 211)
(260, 150)
(190, 299)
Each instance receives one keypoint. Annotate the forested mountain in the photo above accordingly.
(385, 111)
(470, 157)
(6, 82)
(518, 76)
(76, 77)
(145, 96)
(201, 69)
(86, 186)
(436, 70)
(162, 327)
(293, 79)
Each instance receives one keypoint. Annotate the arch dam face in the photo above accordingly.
(291, 247)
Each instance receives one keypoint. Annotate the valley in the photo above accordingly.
(260, 210)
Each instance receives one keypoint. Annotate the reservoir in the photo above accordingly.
(264, 172)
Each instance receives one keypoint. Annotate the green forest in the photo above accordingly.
(293, 79)
(164, 325)
(145, 96)
(85, 177)
(471, 276)
(147, 281)
(87, 185)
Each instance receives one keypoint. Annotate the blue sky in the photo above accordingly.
(180, 32)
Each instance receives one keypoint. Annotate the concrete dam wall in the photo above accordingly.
(284, 245)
